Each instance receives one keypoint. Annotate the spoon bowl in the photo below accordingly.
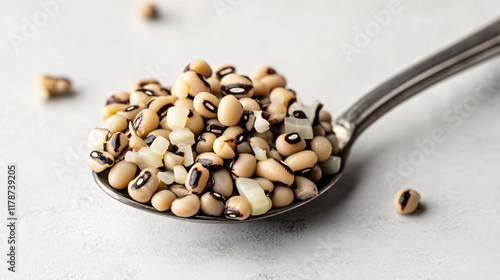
(476, 48)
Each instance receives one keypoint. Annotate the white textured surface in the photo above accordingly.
(69, 229)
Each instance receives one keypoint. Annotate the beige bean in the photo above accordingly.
(305, 188)
(210, 160)
(131, 111)
(265, 184)
(51, 86)
(250, 104)
(274, 170)
(327, 127)
(147, 11)
(235, 132)
(274, 81)
(119, 98)
(324, 116)
(197, 178)
(268, 135)
(243, 166)
(214, 86)
(315, 174)
(277, 112)
(335, 144)
(121, 174)
(170, 160)
(160, 105)
(274, 154)
(214, 126)
(206, 104)
(212, 204)
(205, 142)
(262, 71)
(195, 122)
(162, 200)
(290, 143)
(244, 148)
(237, 85)
(230, 111)
(201, 67)
(223, 70)
(190, 83)
(187, 103)
(143, 187)
(222, 183)
(99, 161)
(302, 161)
(179, 190)
(111, 109)
(322, 147)
(186, 206)
(115, 123)
(282, 96)
(237, 208)
(261, 90)
(141, 96)
(136, 143)
(225, 147)
(141, 83)
(318, 130)
(406, 201)
(145, 122)
(117, 144)
(282, 196)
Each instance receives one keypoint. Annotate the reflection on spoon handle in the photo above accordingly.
(474, 49)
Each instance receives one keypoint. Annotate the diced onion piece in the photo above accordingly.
(188, 154)
(261, 125)
(97, 139)
(170, 160)
(301, 126)
(177, 117)
(253, 192)
(331, 166)
(312, 110)
(146, 158)
(159, 145)
(131, 156)
(260, 154)
(180, 174)
(166, 177)
(181, 136)
(295, 106)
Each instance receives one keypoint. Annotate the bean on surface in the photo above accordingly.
(406, 201)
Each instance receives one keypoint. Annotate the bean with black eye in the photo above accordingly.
(159, 132)
(119, 98)
(212, 204)
(265, 184)
(121, 174)
(274, 154)
(290, 143)
(225, 147)
(274, 81)
(302, 161)
(179, 190)
(243, 166)
(237, 208)
(197, 178)
(277, 111)
(206, 104)
(186, 206)
(190, 83)
(235, 132)
(250, 104)
(143, 187)
(214, 126)
(143, 82)
(259, 143)
(99, 161)
(334, 142)
(283, 96)
(262, 71)
(275, 171)
(315, 174)
(230, 111)
(268, 135)
(214, 86)
(318, 130)
(223, 70)
(157, 89)
(131, 111)
(260, 89)
(160, 105)
(322, 147)
(115, 123)
(247, 120)
(282, 196)
(304, 188)
(244, 148)
(145, 122)
(210, 160)
(162, 200)
(111, 109)
(141, 96)
(185, 102)
(117, 144)
(205, 142)
(406, 201)
(195, 122)
(237, 85)
(222, 182)
(201, 67)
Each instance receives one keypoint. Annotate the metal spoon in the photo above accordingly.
(472, 50)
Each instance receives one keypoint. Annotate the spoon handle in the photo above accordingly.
(473, 49)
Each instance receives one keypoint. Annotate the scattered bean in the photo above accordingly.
(406, 201)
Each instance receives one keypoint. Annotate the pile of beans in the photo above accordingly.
(215, 143)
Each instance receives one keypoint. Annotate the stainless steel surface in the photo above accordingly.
(476, 48)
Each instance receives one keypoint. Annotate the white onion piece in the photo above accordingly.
(261, 125)
(97, 139)
(159, 145)
(295, 106)
(146, 158)
(166, 177)
(188, 154)
(331, 166)
(252, 191)
(177, 117)
(260, 154)
(301, 126)
(170, 160)
(311, 110)
(181, 136)
(131, 156)
(180, 174)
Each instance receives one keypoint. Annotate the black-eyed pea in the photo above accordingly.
(131, 111)
(145, 122)
(304, 188)
(195, 122)
(322, 147)
(160, 105)
(205, 142)
(260, 90)
(143, 187)
(111, 109)
(250, 104)
(179, 190)
(210, 160)
(275, 171)
(258, 142)
(197, 178)
(157, 89)
(274, 81)
(406, 201)
(243, 166)
(262, 71)
(162, 200)
(247, 120)
(119, 98)
(222, 183)
(274, 154)
(117, 144)
(99, 161)
(334, 143)
(50, 86)
(302, 161)
(185, 102)
(170, 160)
(142, 82)
(277, 109)
(290, 143)
(212, 204)
(190, 83)
(158, 132)
(201, 67)
(235, 132)
(265, 184)
(121, 174)
(327, 127)
(324, 116)
(98, 138)
(282, 96)
(230, 111)
(215, 127)
(237, 85)
(237, 208)
(315, 174)
(225, 147)
(282, 196)
(244, 148)
(214, 86)
(318, 130)
(223, 70)
(115, 123)
(267, 135)
(186, 206)
(206, 104)
(136, 143)
(141, 96)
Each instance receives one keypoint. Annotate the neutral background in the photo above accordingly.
(69, 229)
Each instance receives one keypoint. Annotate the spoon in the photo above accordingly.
(474, 49)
